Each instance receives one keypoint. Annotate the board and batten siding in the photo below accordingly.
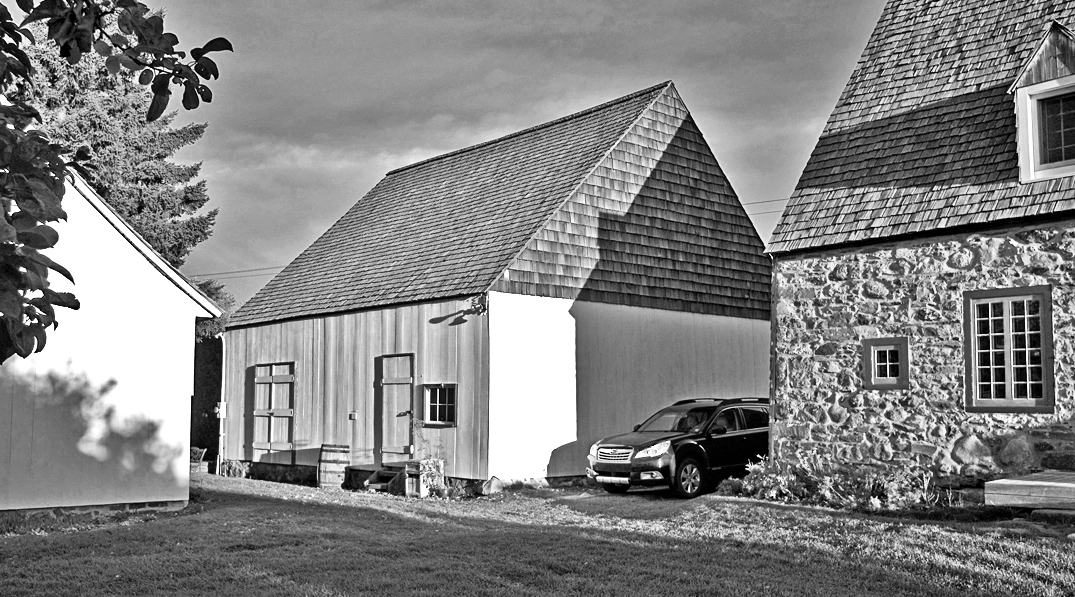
(567, 373)
(334, 368)
(102, 415)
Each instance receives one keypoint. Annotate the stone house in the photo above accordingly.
(503, 306)
(924, 268)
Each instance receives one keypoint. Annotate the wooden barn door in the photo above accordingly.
(395, 391)
(274, 411)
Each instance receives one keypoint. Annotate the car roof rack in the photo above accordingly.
(691, 400)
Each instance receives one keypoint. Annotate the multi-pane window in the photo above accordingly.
(440, 404)
(1009, 349)
(1057, 129)
(885, 364)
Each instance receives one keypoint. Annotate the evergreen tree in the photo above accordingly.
(131, 167)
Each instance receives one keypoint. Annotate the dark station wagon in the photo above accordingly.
(686, 446)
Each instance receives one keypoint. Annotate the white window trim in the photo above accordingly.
(1027, 130)
(426, 407)
(1009, 404)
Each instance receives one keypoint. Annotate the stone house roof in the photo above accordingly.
(923, 137)
(621, 203)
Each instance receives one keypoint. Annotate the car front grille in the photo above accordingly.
(614, 454)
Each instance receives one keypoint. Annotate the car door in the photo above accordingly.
(724, 449)
(756, 431)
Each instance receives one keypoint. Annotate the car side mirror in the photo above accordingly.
(719, 430)
(635, 428)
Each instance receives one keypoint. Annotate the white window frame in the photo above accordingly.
(427, 410)
(1028, 126)
(1009, 404)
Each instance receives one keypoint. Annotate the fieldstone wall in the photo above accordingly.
(827, 303)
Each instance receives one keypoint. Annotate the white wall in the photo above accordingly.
(633, 361)
(621, 363)
(531, 383)
(66, 440)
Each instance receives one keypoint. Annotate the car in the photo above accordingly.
(686, 446)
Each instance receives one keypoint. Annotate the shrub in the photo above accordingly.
(818, 479)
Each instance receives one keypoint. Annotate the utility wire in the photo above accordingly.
(238, 271)
(766, 201)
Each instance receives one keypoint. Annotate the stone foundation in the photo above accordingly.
(826, 303)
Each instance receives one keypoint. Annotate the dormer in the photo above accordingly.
(1045, 108)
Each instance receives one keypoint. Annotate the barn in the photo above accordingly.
(503, 306)
(101, 417)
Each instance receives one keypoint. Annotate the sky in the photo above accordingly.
(322, 98)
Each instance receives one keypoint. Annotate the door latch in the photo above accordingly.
(404, 413)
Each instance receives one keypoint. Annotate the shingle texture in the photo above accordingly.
(480, 219)
(923, 135)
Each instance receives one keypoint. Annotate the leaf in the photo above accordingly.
(36, 257)
(62, 299)
(39, 237)
(25, 5)
(11, 304)
(118, 39)
(157, 107)
(39, 335)
(205, 93)
(160, 84)
(217, 45)
(102, 47)
(112, 65)
(190, 95)
(130, 63)
(8, 234)
(146, 77)
(83, 153)
(206, 68)
(24, 343)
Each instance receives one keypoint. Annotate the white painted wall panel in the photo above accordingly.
(532, 410)
(101, 416)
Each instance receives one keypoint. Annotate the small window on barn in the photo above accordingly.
(440, 404)
(886, 364)
(1008, 348)
(1046, 129)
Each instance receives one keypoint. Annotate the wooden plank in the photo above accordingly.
(275, 379)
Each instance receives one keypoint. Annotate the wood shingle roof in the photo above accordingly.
(543, 211)
(923, 136)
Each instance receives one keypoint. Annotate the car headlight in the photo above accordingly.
(655, 450)
(593, 450)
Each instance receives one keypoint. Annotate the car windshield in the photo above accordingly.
(678, 418)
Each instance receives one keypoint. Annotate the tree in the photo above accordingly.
(83, 105)
(33, 168)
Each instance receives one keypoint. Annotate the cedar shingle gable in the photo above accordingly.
(506, 215)
(923, 138)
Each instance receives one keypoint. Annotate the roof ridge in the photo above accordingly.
(560, 120)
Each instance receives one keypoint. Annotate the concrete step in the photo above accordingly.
(1048, 489)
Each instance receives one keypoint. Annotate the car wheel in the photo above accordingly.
(615, 488)
(689, 478)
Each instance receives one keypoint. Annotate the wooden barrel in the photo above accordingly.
(332, 464)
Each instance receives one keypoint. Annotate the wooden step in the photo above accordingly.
(1047, 489)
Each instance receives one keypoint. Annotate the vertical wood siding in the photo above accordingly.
(334, 376)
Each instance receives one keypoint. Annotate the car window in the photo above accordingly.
(678, 419)
(756, 418)
(725, 418)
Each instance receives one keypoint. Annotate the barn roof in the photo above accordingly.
(923, 136)
(454, 225)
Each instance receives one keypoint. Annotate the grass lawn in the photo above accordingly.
(262, 539)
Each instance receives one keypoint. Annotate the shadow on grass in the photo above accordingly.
(242, 543)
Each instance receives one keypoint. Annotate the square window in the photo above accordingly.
(886, 363)
(1011, 370)
(440, 405)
